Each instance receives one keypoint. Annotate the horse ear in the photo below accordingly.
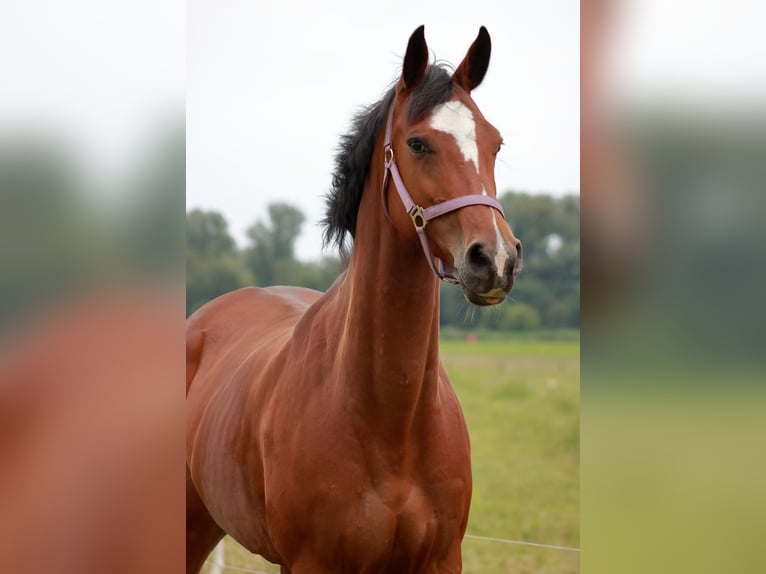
(471, 70)
(415, 60)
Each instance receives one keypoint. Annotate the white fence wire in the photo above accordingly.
(218, 564)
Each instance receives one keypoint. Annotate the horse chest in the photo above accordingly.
(369, 523)
(347, 490)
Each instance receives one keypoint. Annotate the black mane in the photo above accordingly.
(354, 156)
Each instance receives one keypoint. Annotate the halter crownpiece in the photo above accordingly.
(422, 215)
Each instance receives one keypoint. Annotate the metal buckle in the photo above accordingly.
(417, 213)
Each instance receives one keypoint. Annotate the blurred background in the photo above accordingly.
(92, 169)
(673, 324)
(92, 148)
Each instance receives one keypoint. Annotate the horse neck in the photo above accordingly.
(391, 334)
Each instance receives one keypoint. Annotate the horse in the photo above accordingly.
(322, 430)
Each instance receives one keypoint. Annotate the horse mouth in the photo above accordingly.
(483, 299)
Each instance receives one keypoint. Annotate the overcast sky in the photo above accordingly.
(272, 85)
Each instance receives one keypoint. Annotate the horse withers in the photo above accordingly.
(323, 432)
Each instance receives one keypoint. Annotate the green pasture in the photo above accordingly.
(521, 402)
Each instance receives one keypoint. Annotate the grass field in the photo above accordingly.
(521, 402)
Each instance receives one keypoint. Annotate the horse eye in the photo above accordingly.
(500, 147)
(418, 146)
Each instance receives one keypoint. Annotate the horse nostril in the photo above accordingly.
(518, 250)
(479, 262)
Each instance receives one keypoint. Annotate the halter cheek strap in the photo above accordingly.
(422, 215)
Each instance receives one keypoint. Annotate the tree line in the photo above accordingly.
(546, 294)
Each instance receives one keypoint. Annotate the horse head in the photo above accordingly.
(443, 157)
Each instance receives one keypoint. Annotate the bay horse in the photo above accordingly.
(323, 432)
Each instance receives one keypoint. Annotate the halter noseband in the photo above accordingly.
(422, 215)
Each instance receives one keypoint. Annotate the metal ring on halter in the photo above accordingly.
(417, 213)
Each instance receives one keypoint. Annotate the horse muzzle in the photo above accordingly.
(486, 276)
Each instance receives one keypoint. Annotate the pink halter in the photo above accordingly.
(422, 215)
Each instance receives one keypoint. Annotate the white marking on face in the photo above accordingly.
(501, 255)
(457, 120)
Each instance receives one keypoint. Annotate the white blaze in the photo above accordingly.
(456, 119)
(501, 255)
